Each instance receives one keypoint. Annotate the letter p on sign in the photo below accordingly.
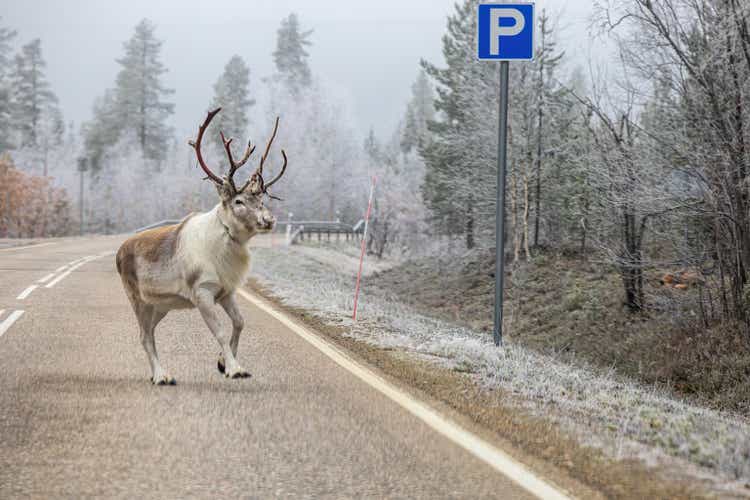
(505, 32)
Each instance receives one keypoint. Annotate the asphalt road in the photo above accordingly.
(79, 417)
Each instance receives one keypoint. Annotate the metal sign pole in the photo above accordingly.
(500, 207)
(503, 41)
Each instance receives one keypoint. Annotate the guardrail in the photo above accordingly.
(295, 230)
(298, 230)
(165, 222)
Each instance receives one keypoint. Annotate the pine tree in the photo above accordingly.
(452, 163)
(419, 112)
(232, 93)
(569, 193)
(33, 102)
(102, 132)
(6, 37)
(372, 147)
(290, 55)
(139, 92)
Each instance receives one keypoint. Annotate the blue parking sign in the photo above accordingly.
(505, 32)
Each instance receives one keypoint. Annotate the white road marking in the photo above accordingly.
(26, 246)
(491, 455)
(79, 263)
(45, 279)
(26, 292)
(12, 317)
(81, 259)
(70, 266)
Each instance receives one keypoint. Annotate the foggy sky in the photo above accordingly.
(372, 49)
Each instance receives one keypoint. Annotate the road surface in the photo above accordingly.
(79, 418)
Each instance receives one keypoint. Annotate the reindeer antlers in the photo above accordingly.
(235, 165)
(258, 174)
(283, 169)
(197, 146)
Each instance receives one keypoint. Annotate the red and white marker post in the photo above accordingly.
(364, 245)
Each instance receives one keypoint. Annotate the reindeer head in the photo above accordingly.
(242, 210)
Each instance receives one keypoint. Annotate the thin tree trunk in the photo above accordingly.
(470, 227)
(540, 114)
(526, 217)
(514, 214)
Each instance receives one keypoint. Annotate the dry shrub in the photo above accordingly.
(29, 205)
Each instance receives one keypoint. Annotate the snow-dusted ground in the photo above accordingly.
(616, 414)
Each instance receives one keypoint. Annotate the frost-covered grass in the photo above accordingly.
(623, 415)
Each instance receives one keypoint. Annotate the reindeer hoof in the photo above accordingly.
(238, 374)
(164, 380)
(220, 366)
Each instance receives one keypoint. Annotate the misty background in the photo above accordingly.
(369, 50)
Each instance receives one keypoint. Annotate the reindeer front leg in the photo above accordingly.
(238, 323)
(206, 304)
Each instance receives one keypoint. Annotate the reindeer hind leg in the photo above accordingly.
(148, 318)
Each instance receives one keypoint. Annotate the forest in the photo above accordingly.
(638, 170)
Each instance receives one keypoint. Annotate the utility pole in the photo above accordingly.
(82, 168)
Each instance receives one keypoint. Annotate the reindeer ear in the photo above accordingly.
(225, 190)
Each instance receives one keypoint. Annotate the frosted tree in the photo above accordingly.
(232, 93)
(50, 137)
(701, 51)
(569, 196)
(102, 132)
(6, 37)
(140, 104)
(547, 60)
(290, 56)
(461, 154)
(419, 112)
(398, 221)
(372, 147)
(33, 102)
(327, 177)
(446, 188)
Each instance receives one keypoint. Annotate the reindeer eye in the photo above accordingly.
(239, 202)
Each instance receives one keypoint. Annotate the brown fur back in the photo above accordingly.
(153, 245)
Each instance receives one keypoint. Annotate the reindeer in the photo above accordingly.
(200, 261)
